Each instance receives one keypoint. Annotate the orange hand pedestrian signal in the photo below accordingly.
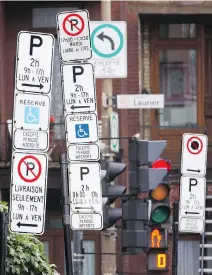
(156, 238)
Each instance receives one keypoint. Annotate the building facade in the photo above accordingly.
(169, 51)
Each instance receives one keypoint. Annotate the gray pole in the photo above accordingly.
(66, 213)
(175, 237)
(3, 241)
(78, 252)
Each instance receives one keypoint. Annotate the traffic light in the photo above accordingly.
(111, 192)
(160, 209)
(142, 177)
(134, 231)
(157, 256)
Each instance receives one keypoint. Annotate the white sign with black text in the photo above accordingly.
(86, 221)
(74, 35)
(30, 140)
(194, 154)
(83, 152)
(140, 101)
(34, 62)
(85, 187)
(28, 193)
(78, 86)
(192, 204)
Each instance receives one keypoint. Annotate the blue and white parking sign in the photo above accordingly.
(31, 112)
(85, 132)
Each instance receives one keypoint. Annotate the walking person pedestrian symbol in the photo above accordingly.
(31, 115)
(82, 131)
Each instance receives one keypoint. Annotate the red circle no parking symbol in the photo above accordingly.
(194, 145)
(73, 24)
(29, 168)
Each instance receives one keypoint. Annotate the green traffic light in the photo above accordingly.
(160, 214)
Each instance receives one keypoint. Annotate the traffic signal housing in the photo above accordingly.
(160, 209)
(111, 192)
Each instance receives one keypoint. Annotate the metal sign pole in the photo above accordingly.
(66, 213)
(175, 237)
(3, 241)
(78, 252)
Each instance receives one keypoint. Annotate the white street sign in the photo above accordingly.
(74, 35)
(140, 101)
(85, 187)
(79, 88)
(114, 132)
(192, 225)
(194, 154)
(83, 152)
(28, 193)
(30, 140)
(82, 128)
(31, 112)
(34, 62)
(88, 221)
(109, 46)
(192, 204)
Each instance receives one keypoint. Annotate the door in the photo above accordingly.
(176, 72)
(208, 86)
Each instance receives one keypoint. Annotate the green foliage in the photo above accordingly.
(25, 255)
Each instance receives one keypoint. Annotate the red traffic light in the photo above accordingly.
(162, 163)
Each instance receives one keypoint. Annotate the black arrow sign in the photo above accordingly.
(79, 107)
(187, 213)
(103, 36)
(33, 85)
(190, 170)
(89, 207)
(19, 224)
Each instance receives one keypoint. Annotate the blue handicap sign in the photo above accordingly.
(32, 115)
(82, 131)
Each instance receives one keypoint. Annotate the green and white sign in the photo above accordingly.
(114, 132)
(109, 46)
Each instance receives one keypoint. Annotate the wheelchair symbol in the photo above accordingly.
(31, 115)
(82, 130)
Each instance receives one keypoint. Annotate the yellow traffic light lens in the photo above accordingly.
(161, 192)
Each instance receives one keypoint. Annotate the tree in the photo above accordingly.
(25, 254)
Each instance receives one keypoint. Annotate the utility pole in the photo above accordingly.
(108, 241)
(175, 237)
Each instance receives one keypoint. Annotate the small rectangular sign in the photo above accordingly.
(30, 140)
(83, 152)
(86, 221)
(140, 101)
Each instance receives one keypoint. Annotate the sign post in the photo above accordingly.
(81, 123)
(80, 112)
(193, 183)
(30, 131)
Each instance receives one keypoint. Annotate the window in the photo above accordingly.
(46, 248)
(177, 31)
(89, 262)
(178, 83)
(176, 50)
(188, 257)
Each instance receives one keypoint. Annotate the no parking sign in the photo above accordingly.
(194, 154)
(74, 35)
(28, 193)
